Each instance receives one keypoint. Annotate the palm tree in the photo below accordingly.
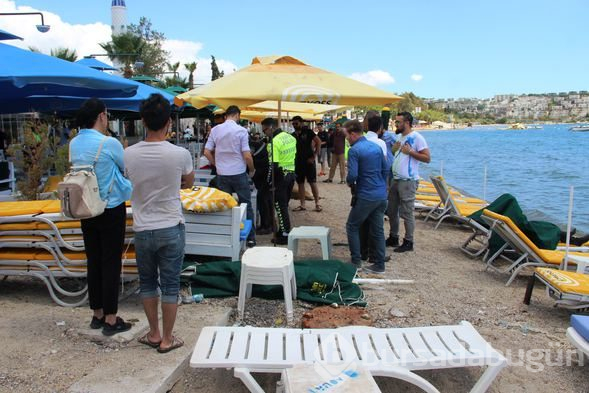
(64, 54)
(125, 48)
(173, 68)
(190, 67)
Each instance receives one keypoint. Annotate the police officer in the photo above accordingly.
(281, 153)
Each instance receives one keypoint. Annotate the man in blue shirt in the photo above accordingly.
(367, 176)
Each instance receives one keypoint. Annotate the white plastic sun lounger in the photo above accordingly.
(383, 352)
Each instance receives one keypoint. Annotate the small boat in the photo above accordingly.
(534, 126)
(517, 126)
(583, 127)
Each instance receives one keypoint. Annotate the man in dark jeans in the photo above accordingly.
(228, 150)
(367, 174)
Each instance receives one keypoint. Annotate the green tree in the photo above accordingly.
(65, 54)
(153, 56)
(215, 73)
(125, 48)
(190, 67)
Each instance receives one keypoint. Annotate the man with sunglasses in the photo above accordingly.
(409, 150)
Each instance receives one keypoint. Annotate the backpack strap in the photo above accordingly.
(98, 152)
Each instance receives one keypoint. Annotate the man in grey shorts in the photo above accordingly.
(158, 170)
(409, 150)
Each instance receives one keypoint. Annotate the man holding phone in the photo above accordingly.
(409, 150)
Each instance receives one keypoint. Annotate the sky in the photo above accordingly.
(433, 48)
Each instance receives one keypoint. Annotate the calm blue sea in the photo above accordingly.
(537, 166)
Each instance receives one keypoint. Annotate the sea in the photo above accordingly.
(537, 166)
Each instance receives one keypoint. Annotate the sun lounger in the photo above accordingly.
(459, 210)
(47, 265)
(569, 289)
(578, 334)
(383, 352)
(528, 254)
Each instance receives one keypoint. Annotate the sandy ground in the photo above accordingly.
(39, 353)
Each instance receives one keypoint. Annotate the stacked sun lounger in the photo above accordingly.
(36, 240)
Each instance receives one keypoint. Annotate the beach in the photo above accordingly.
(42, 353)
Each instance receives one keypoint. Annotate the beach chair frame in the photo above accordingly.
(448, 208)
(393, 352)
(526, 255)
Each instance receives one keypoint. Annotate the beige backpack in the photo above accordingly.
(79, 193)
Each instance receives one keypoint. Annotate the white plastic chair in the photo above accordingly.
(323, 234)
(267, 266)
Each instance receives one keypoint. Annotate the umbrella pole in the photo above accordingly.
(565, 261)
(272, 168)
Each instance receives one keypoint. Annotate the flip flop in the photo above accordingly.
(176, 343)
(318, 208)
(145, 340)
(299, 209)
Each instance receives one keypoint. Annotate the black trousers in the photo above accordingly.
(104, 238)
(264, 203)
(281, 198)
(365, 240)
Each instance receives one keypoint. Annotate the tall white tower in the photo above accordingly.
(118, 12)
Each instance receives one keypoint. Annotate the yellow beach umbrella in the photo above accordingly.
(258, 116)
(296, 107)
(284, 79)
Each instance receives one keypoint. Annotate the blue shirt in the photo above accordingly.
(389, 138)
(368, 169)
(109, 168)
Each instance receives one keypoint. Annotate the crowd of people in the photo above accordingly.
(382, 173)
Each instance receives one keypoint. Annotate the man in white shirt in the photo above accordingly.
(227, 148)
(158, 169)
(410, 150)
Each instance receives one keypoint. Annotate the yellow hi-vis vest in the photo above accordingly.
(284, 151)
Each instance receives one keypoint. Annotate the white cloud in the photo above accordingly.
(187, 52)
(85, 39)
(374, 77)
(416, 77)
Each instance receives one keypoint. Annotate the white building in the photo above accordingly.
(118, 12)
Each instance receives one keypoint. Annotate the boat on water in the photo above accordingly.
(517, 126)
(583, 127)
(534, 126)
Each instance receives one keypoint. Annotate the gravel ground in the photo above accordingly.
(40, 353)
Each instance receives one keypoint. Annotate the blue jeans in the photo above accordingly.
(239, 184)
(373, 213)
(163, 250)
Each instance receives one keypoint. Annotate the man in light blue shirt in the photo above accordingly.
(367, 174)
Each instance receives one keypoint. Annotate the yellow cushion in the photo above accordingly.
(565, 282)
(53, 206)
(432, 198)
(556, 256)
(206, 200)
(18, 208)
(466, 209)
(25, 226)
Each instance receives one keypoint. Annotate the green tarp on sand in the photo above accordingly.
(543, 234)
(318, 281)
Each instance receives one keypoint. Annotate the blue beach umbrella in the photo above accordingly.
(96, 64)
(24, 74)
(4, 35)
(52, 103)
